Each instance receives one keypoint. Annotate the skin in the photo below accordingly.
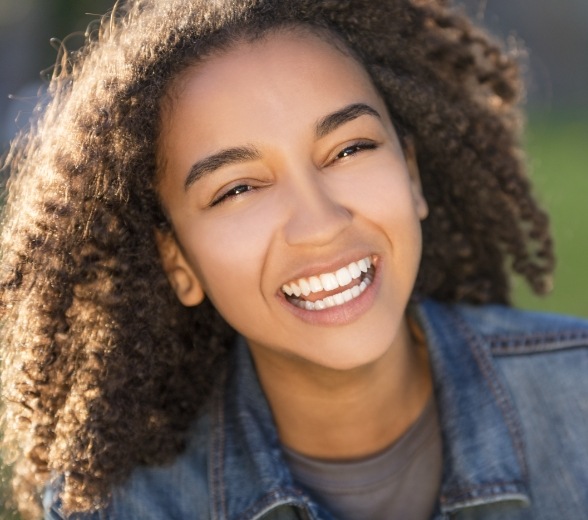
(299, 197)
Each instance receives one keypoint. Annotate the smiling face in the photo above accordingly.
(293, 206)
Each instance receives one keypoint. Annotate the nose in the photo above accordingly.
(315, 216)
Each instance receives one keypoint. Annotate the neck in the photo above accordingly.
(348, 414)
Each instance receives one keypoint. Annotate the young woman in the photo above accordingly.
(256, 258)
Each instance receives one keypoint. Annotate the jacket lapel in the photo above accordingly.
(483, 449)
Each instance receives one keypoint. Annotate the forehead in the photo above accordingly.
(284, 62)
(269, 92)
(280, 42)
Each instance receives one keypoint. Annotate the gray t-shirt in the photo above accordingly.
(401, 482)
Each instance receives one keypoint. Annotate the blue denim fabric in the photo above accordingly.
(512, 393)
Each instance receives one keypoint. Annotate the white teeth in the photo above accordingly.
(363, 265)
(320, 305)
(347, 296)
(315, 284)
(335, 299)
(304, 286)
(329, 282)
(343, 276)
(354, 270)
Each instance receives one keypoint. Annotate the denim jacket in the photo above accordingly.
(512, 393)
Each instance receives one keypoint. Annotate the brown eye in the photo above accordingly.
(354, 149)
(233, 192)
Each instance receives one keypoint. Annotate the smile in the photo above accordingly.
(354, 278)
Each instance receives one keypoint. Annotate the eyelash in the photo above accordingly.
(233, 192)
(343, 154)
(355, 148)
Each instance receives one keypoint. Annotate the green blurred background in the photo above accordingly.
(551, 39)
(557, 144)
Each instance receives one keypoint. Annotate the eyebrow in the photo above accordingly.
(218, 160)
(336, 119)
(238, 154)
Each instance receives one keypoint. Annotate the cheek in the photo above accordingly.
(229, 257)
(384, 195)
(387, 202)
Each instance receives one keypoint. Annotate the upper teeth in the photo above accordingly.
(328, 281)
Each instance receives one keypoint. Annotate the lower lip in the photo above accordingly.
(340, 314)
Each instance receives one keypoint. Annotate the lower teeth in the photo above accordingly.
(336, 299)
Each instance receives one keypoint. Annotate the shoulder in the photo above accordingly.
(534, 365)
(509, 330)
(514, 331)
(537, 353)
(176, 490)
(543, 357)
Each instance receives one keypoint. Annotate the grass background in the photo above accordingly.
(558, 156)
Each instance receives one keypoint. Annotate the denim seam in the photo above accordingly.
(272, 499)
(502, 398)
(537, 343)
(217, 455)
(480, 490)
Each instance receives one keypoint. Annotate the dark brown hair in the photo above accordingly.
(103, 369)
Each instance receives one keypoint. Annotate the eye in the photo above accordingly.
(233, 192)
(355, 148)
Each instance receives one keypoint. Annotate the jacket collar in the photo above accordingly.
(484, 458)
(248, 474)
(483, 447)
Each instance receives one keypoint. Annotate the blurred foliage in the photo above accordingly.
(558, 149)
(5, 512)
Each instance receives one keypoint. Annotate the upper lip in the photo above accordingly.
(318, 268)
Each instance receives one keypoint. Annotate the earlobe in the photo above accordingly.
(181, 277)
(421, 206)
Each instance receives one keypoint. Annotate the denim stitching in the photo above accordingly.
(217, 453)
(273, 499)
(537, 342)
(501, 397)
(482, 490)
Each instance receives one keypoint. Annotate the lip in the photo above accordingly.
(341, 314)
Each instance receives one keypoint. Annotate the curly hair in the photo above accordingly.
(103, 369)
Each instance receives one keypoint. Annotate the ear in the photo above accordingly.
(419, 201)
(180, 274)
